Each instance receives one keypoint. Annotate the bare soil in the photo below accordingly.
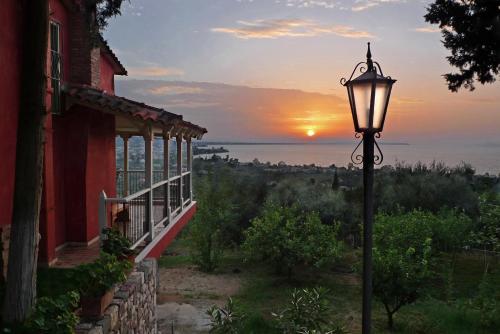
(185, 294)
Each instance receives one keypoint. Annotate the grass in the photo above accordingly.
(264, 292)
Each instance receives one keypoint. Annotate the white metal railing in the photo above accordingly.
(132, 181)
(136, 218)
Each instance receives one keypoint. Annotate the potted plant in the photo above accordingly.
(116, 244)
(96, 281)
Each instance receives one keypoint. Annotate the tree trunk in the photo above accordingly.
(390, 321)
(23, 252)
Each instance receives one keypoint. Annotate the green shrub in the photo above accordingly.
(55, 315)
(205, 245)
(116, 244)
(306, 312)
(487, 302)
(401, 260)
(486, 234)
(287, 238)
(94, 279)
(225, 320)
(311, 196)
(449, 230)
(213, 214)
(428, 187)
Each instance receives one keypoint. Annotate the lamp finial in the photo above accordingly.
(369, 61)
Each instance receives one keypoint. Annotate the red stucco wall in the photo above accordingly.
(100, 167)
(10, 67)
(59, 144)
(80, 144)
(52, 218)
(73, 159)
(107, 75)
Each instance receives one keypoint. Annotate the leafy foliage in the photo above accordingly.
(306, 312)
(116, 244)
(214, 213)
(104, 10)
(427, 187)
(286, 237)
(401, 260)
(94, 279)
(486, 235)
(488, 302)
(55, 315)
(225, 320)
(308, 196)
(471, 31)
(448, 228)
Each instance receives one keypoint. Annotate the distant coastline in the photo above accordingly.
(485, 159)
(203, 149)
(221, 143)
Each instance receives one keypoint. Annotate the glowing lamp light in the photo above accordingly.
(369, 96)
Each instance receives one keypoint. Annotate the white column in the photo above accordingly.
(125, 166)
(103, 216)
(179, 167)
(148, 147)
(166, 173)
(190, 166)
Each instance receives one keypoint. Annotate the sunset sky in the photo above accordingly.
(269, 70)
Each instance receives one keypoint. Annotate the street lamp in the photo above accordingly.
(369, 95)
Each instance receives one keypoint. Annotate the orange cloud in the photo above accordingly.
(175, 90)
(367, 4)
(155, 71)
(272, 29)
(427, 29)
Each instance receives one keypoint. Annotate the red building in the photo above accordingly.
(83, 191)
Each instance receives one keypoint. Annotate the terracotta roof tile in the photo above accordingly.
(107, 49)
(107, 102)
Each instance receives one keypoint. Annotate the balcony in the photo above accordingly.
(149, 203)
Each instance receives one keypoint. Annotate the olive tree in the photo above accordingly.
(214, 213)
(287, 237)
(486, 234)
(401, 260)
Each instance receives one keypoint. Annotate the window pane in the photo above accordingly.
(54, 37)
(362, 96)
(381, 94)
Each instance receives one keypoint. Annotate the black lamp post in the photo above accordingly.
(369, 96)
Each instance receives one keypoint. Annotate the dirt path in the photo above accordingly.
(186, 294)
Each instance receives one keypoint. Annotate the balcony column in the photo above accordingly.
(148, 150)
(166, 174)
(190, 166)
(125, 165)
(179, 168)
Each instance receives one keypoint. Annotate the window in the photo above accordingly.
(56, 66)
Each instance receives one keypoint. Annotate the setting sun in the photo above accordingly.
(311, 132)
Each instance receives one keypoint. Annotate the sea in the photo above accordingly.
(484, 158)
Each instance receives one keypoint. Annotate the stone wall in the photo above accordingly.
(133, 310)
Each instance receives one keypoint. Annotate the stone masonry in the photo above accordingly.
(133, 310)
